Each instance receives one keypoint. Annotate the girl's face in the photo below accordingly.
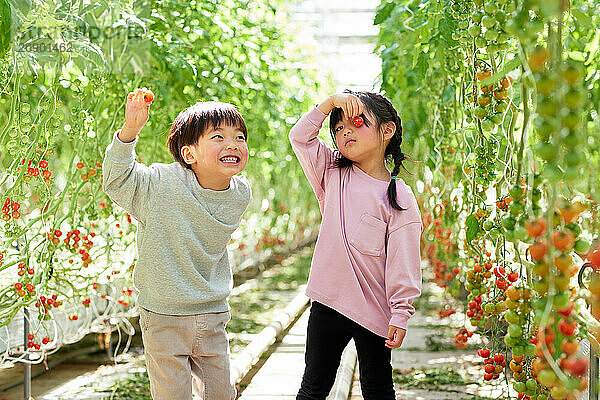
(361, 144)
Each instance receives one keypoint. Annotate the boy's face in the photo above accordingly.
(220, 153)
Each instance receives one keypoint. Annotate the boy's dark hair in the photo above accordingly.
(384, 111)
(193, 122)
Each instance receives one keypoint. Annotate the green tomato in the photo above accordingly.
(574, 98)
(545, 85)
(509, 222)
(530, 392)
(515, 331)
(516, 208)
(501, 107)
(515, 192)
(572, 140)
(520, 233)
(493, 48)
(530, 349)
(574, 228)
(510, 7)
(512, 317)
(480, 42)
(518, 350)
(561, 301)
(474, 30)
(531, 384)
(487, 125)
(494, 233)
(512, 26)
(575, 157)
(509, 340)
(572, 173)
(546, 151)
(476, 16)
(491, 34)
(488, 22)
(547, 107)
(519, 387)
(547, 377)
(490, 7)
(480, 112)
(488, 224)
(581, 246)
(500, 16)
(496, 118)
(571, 119)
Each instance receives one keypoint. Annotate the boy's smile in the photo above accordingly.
(220, 153)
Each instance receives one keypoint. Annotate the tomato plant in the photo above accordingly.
(66, 251)
(497, 100)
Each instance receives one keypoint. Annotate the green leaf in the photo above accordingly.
(446, 27)
(383, 13)
(422, 64)
(472, 227)
(448, 94)
(5, 27)
(582, 18)
(430, 163)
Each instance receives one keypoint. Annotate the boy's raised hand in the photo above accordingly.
(136, 113)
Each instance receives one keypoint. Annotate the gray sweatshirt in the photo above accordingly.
(183, 231)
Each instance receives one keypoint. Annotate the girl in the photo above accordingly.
(366, 268)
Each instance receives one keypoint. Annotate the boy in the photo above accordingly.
(186, 213)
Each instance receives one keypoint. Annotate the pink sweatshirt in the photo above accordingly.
(367, 261)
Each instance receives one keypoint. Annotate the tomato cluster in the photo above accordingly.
(36, 345)
(11, 210)
(461, 338)
(493, 366)
(45, 304)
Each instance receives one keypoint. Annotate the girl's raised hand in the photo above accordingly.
(136, 112)
(350, 104)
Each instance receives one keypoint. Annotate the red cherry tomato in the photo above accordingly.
(358, 122)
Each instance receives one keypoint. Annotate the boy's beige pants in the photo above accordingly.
(185, 351)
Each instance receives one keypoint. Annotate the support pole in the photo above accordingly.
(593, 379)
(26, 365)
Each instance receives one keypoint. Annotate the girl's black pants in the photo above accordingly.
(328, 334)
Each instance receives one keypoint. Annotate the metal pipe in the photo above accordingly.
(26, 365)
(593, 381)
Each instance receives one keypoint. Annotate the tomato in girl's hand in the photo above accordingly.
(358, 122)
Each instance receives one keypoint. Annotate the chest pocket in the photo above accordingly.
(369, 238)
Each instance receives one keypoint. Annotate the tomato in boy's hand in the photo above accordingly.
(358, 122)
(148, 95)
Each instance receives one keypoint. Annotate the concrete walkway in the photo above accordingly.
(280, 376)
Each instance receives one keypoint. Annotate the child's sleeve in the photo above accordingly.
(126, 181)
(403, 280)
(314, 155)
